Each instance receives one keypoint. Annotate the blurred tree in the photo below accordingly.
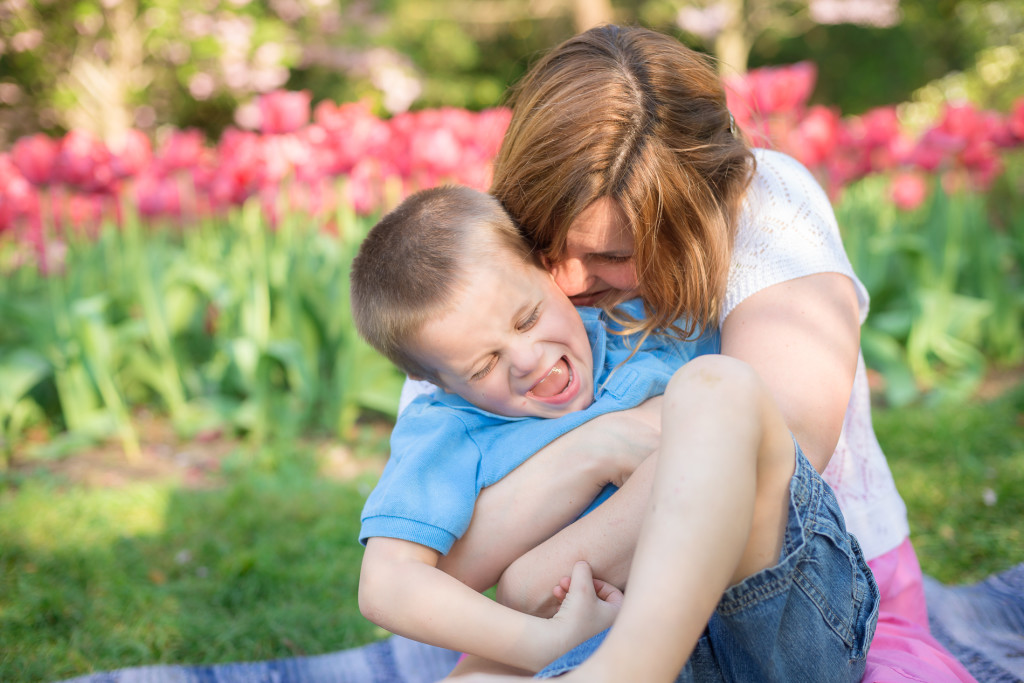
(107, 65)
(860, 67)
(731, 27)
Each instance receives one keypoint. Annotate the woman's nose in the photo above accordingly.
(571, 276)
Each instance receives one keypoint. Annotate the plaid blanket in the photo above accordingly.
(982, 624)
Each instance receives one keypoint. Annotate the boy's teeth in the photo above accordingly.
(555, 382)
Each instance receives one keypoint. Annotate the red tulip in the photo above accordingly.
(36, 158)
(184, 149)
(131, 154)
(435, 150)
(908, 191)
(84, 162)
(18, 198)
(816, 137)
(284, 111)
(775, 89)
(157, 195)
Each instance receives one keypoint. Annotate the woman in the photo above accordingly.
(622, 165)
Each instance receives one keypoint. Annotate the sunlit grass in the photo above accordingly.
(262, 568)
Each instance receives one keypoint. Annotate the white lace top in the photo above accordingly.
(788, 230)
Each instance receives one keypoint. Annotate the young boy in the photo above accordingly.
(447, 288)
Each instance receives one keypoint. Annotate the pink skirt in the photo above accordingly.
(903, 648)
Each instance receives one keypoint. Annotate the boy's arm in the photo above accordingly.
(402, 590)
(605, 539)
(550, 490)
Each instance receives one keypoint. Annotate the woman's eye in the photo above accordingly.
(615, 258)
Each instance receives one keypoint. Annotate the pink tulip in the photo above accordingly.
(775, 89)
(320, 158)
(816, 137)
(184, 149)
(437, 151)
(284, 111)
(491, 125)
(18, 198)
(131, 154)
(84, 212)
(157, 195)
(239, 171)
(36, 158)
(352, 133)
(908, 191)
(84, 162)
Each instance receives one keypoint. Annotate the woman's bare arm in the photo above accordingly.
(803, 339)
(550, 490)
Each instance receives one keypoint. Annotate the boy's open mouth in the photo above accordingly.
(558, 381)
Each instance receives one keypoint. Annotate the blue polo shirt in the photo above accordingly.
(444, 449)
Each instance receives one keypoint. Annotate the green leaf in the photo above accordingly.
(20, 371)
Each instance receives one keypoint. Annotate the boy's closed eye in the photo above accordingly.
(530, 320)
(484, 371)
(524, 325)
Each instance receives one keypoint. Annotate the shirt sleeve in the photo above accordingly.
(428, 488)
(787, 229)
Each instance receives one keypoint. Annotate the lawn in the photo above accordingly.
(257, 559)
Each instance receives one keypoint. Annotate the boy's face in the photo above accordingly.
(510, 342)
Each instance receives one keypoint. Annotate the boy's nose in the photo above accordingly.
(524, 357)
(571, 275)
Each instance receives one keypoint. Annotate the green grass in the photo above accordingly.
(266, 565)
(947, 460)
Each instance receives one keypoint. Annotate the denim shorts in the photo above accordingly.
(809, 618)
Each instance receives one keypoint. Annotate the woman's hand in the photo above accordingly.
(550, 490)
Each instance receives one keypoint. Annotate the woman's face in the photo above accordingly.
(598, 259)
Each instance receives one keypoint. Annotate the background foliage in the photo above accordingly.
(108, 65)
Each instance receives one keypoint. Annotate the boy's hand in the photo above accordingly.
(589, 606)
(605, 591)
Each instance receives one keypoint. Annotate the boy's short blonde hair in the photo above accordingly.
(414, 259)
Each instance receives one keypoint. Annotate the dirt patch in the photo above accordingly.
(999, 382)
(197, 463)
(190, 463)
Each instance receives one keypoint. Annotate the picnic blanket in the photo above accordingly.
(982, 624)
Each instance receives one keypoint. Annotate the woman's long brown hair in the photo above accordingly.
(631, 114)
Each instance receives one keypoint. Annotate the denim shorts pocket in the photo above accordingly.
(836, 578)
